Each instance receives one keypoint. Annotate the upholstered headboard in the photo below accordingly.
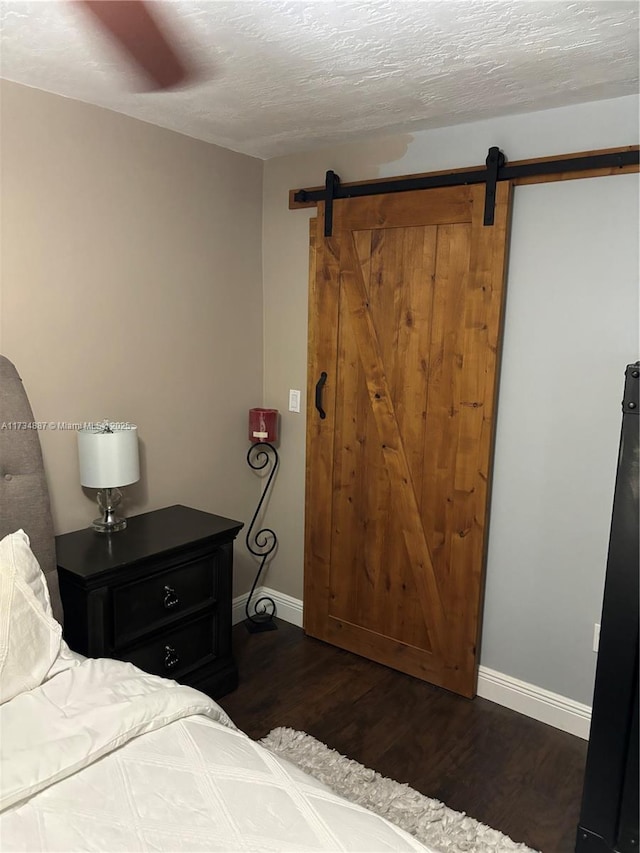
(24, 497)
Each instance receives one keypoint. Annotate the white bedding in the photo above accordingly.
(103, 757)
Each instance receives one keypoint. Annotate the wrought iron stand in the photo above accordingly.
(262, 543)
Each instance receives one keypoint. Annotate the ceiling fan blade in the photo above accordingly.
(136, 31)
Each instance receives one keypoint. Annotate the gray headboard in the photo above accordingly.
(24, 497)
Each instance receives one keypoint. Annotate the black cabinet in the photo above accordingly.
(157, 594)
(609, 815)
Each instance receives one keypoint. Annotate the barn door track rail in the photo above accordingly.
(496, 169)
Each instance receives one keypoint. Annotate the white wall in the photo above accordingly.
(570, 330)
(571, 327)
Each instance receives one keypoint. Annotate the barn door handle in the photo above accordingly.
(319, 387)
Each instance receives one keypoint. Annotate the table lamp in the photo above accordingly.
(108, 455)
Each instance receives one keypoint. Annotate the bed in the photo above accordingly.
(98, 755)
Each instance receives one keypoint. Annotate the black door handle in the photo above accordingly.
(319, 387)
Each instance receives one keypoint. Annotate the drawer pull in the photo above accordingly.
(171, 658)
(170, 600)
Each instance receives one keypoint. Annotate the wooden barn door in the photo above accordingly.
(405, 322)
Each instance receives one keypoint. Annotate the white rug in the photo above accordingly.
(430, 821)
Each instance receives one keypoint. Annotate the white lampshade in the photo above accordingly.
(108, 459)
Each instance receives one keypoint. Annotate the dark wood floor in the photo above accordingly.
(506, 770)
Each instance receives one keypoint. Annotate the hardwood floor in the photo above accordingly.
(506, 770)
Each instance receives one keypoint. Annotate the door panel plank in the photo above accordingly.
(406, 505)
(413, 293)
(323, 321)
(404, 210)
(487, 268)
(371, 592)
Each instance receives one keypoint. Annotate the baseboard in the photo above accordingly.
(528, 699)
(535, 702)
(287, 608)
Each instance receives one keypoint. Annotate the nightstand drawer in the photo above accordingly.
(140, 606)
(174, 653)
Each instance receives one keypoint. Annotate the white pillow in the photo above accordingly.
(29, 635)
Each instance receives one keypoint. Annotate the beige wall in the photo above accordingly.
(131, 289)
(571, 327)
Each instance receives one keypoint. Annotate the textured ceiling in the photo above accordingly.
(277, 77)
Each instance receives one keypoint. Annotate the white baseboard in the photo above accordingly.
(528, 699)
(287, 608)
(535, 702)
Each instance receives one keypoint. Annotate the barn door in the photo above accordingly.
(405, 323)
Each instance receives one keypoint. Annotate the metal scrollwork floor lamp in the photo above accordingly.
(263, 433)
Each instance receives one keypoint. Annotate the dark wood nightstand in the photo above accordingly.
(157, 594)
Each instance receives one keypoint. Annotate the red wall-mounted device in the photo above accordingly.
(263, 425)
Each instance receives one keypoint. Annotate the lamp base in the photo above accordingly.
(110, 525)
(108, 501)
(257, 625)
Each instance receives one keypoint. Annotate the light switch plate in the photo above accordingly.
(294, 400)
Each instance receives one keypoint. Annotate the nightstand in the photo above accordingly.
(157, 594)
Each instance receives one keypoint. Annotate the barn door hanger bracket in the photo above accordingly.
(333, 189)
(495, 161)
